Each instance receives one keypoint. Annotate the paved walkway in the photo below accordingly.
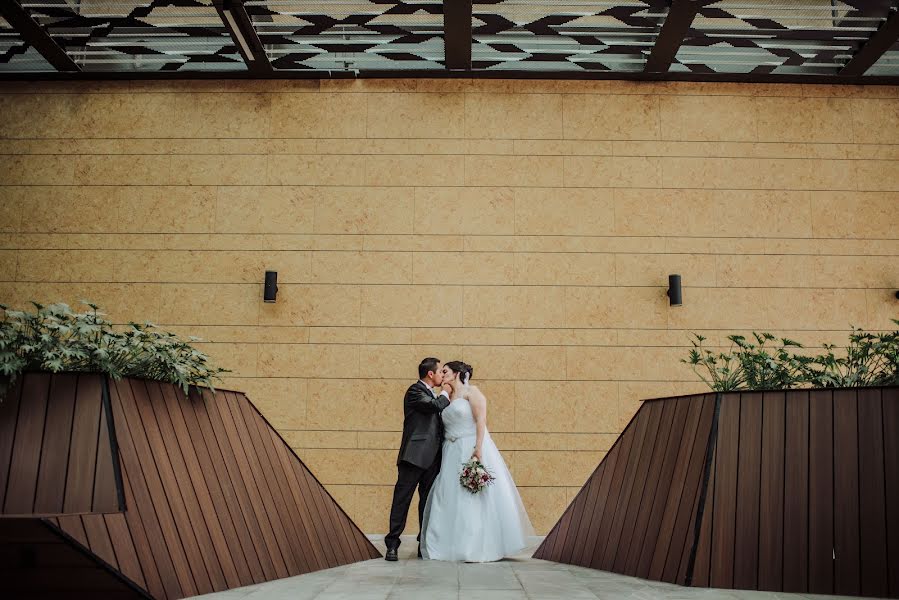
(518, 578)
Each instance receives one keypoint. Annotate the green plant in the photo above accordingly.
(55, 338)
(725, 373)
(870, 359)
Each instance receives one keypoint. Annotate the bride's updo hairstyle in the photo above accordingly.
(464, 370)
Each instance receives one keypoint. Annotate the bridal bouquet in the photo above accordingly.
(474, 476)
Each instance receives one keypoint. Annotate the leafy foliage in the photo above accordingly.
(870, 359)
(55, 338)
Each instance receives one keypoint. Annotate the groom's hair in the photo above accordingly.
(426, 366)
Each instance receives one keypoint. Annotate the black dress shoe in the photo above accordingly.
(391, 554)
(419, 552)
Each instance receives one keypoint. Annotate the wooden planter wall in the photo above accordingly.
(180, 496)
(783, 491)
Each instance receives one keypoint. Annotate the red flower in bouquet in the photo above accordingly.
(475, 476)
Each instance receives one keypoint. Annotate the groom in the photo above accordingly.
(419, 459)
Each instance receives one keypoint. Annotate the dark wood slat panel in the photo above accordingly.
(272, 501)
(687, 552)
(845, 485)
(9, 417)
(168, 507)
(642, 507)
(872, 495)
(583, 534)
(73, 527)
(301, 502)
(214, 410)
(684, 533)
(820, 498)
(29, 437)
(890, 397)
(140, 538)
(677, 439)
(796, 493)
(771, 509)
(213, 513)
(164, 546)
(703, 563)
(51, 484)
(622, 449)
(746, 533)
(642, 445)
(641, 476)
(98, 539)
(182, 498)
(290, 513)
(577, 509)
(83, 456)
(106, 496)
(726, 485)
(123, 545)
(222, 490)
(42, 555)
(246, 473)
(62, 580)
(605, 472)
(319, 512)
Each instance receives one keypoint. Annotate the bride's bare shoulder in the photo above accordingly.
(475, 392)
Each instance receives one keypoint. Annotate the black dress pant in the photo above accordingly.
(408, 478)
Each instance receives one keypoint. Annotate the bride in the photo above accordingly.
(457, 524)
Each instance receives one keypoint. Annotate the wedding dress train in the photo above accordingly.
(462, 526)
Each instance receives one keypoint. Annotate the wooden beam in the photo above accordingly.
(882, 40)
(457, 34)
(36, 36)
(240, 27)
(674, 29)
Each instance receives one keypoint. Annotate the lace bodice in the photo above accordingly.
(458, 421)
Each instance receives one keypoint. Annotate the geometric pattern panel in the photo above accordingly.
(576, 35)
(799, 37)
(139, 35)
(353, 35)
(214, 498)
(16, 55)
(793, 491)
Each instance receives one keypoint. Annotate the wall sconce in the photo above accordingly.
(675, 294)
(271, 286)
(897, 295)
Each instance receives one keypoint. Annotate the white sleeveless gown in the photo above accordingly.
(462, 526)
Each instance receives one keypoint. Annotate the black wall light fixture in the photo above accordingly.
(271, 286)
(897, 295)
(675, 294)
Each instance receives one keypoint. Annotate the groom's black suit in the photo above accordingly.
(418, 461)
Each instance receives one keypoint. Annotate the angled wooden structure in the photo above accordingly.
(793, 491)
(130, 489)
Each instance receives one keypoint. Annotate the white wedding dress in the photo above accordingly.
(462, 526)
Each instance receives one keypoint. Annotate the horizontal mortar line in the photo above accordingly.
(661, 285)
(545, 380)
(716, 156)
(488, 328)
(469, 140)
(437, 251)
(502, 449)
(514, 236)
(578, 485)
(399, 431)
(527, 187)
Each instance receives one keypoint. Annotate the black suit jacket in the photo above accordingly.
(422, 427)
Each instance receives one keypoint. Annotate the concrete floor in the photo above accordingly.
(517, 578)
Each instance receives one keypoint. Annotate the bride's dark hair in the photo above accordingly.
(464, 369)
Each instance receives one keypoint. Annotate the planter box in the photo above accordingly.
(794, 491)
(130, 489)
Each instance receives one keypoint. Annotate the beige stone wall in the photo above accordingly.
(525, 227)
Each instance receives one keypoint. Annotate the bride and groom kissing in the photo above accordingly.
(441, 433)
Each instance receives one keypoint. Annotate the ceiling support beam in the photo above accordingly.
(674, 30)
(457, 34)
(240, 27)
(882, 40)
(36, 36)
